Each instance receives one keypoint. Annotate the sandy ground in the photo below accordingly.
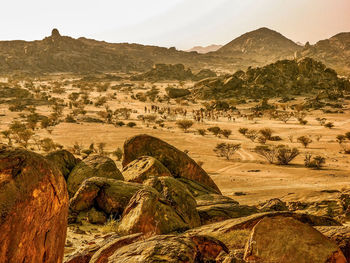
(246, 172)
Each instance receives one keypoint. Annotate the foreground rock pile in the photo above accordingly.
(164, 206)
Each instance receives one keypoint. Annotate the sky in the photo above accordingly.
(179, 23)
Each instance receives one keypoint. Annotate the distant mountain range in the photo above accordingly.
(204, 50)
(257, 48)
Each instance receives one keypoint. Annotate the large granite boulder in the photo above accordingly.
(214, 208)
(148, 212)
(33, 208)
(92, 166)
(178, 196)
(64, 160)
(142, 168)
(108, 195)
(177, 162)
(282, 239)
(167, 248)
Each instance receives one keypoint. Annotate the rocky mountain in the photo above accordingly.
(204, 50)
(58, 53)
(334, 52)
(257, 48)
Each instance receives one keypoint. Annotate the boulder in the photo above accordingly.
(92, 166)
(98, 251)
(96, 217)
(178, 197)
(33, 208)
(274, 204)
(147, 212)
(235, 232)
(177, 162)
(168, 248)
(64, 160)
(142, 168)
(340, 235)
(109, 195)
(196, 188)
(214, 208)
(281, 239)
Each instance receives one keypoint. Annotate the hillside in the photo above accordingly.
(282, 78)
(258, 48)
(334, 52)
(58, 53)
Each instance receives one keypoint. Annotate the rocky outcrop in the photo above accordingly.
(109, 195)
(92, 166)
(142, 168)
(168, 248)
(148, 212)
(214, 208)
(178, 196)
(64, 160)
(196, 188)
(33, 208)
(178, 163)
(274, 204)
(283, 239)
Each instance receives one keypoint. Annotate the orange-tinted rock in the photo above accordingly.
(142, 168)
(177, 162)
(178, 197)
(148, 212)
(33, 208)
(92, 166)
(168, 248)
(64, 160)
(281, 239)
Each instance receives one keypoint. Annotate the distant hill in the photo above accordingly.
(334, 52)
(204, 50)
(58, 53)
(282, 78)
(258, 47)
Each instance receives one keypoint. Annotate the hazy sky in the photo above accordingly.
(180, 23)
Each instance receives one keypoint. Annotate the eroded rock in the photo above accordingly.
(33, 208)
(177, 162)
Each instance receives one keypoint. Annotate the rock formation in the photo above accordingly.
(33, 208)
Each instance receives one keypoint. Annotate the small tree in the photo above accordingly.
(305, 141)
(202, 132)
(215, 130)
(316, 163)
(243, 131)
(226, 133)
(226, 149)
(118, 153)
(266, 132)
(286, 155)
(284, 116)
(184, 124)
(329, 125)
(341, 138)
(252, 135)
(267, 152)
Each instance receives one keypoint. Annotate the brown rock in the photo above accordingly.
(33, 208)
(92, 166)
(109, 195)
(96, 217)
(178, 197)
(64, 160)
(274, 204)
(147, 212)
(281, 239)
(196, 188)
(142, 168)
(102, 255)
(177, 162)
(340, 235)
(169, 248)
